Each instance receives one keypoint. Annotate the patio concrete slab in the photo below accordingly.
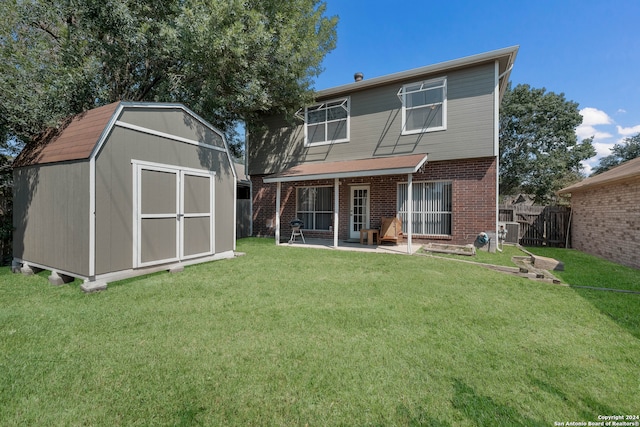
(343, 245)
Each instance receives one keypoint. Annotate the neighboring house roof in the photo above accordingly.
(626, 171)
(351, 168)
(505, 57)
(519, 199)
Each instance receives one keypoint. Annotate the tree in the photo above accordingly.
(620, 153)
(225, 59)
(539, 150)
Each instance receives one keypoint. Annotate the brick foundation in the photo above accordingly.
(474, 200)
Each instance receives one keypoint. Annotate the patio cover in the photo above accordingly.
(351, 168)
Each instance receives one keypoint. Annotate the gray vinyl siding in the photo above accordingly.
(51, 220)
(376, 122)
(173, 122)
(114, 190)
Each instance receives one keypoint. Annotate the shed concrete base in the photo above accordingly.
(94, 286)
(58, 279)
(29, 270)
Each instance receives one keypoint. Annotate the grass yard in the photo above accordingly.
(297, 336)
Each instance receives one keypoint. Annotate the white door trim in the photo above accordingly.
(355, 234)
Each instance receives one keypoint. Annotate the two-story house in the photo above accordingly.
(419, 144)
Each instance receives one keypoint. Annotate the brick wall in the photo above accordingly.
(606, 222)
(474, 199)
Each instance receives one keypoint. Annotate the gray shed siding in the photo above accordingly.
(376, 121)
(172, 121)
(51, 220)
(114, 188)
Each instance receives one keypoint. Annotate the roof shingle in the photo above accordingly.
(73, 140)
(625, 171)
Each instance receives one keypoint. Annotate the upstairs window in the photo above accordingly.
(424, 106)
(327, 123)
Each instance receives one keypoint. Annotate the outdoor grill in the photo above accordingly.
(296, 230)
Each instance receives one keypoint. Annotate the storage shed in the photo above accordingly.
(605, 214)
(123, 190)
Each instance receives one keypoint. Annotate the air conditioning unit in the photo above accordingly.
(513, 231)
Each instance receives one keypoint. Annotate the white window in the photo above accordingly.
(327, 123)
(424, 106)
(431, 210)
(315, 207)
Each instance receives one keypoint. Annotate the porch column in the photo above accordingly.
(278, 188)
(409, 211)
(336, 210)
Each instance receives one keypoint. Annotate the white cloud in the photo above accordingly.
(594, 117)
(598, 124)
(628, 131)
(602, 148)
(588, 131)
(621, 111)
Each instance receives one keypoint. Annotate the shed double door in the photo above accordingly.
(173, 214)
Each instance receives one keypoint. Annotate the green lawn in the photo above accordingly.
(296, 336)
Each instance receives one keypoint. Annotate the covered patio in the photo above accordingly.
(338, 173)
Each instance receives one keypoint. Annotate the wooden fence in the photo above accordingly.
(539, 225)
(243, 218)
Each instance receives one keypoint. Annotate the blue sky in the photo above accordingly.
(589, 50)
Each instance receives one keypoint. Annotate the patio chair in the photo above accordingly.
(296, 230)
(391, 230)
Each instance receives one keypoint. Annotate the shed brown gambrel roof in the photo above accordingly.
(626, 171)
(75, 139)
